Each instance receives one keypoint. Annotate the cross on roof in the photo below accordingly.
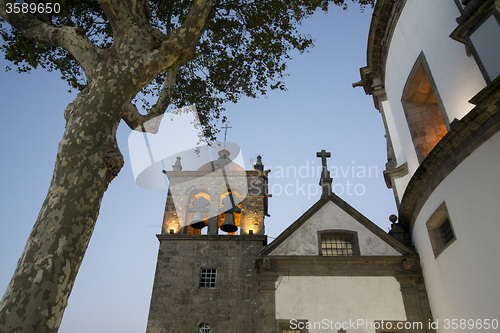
(323, 154)
(225, 133)
(341, 331)
(325, 181)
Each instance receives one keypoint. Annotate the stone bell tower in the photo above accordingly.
(212, 228)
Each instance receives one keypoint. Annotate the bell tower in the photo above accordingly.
(212, 228)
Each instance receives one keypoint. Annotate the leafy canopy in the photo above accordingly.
(242, 52)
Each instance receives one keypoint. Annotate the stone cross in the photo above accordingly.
(225, 133)
(323, 154)
(325, 182)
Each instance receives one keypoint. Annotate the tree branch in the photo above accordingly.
(123, 13)
(181, 44)
(72, 39)
(139, 122)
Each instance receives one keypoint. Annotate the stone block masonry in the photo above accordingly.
(179, 304)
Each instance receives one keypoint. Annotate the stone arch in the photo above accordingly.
(194, 195)
(237, 201)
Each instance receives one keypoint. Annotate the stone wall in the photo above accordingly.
(179, 304)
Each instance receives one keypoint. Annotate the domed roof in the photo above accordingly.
(222, 162)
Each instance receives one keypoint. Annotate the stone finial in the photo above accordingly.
(258, 165)
(224, 153)
(396, 230)
(177, 166)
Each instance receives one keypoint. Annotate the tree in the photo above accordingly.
(116, 52)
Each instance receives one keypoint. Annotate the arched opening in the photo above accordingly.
(198, 206)
(226, 204)
(424, 111)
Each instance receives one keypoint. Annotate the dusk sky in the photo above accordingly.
(320, 110)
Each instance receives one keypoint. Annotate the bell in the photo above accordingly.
(228, 225)
(197, 222)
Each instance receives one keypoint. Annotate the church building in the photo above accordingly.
(331, 270)
(433, 71)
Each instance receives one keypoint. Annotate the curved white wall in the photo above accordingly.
(425, 26)
(462, 282)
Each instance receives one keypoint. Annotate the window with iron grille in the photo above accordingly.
(207, 278)
(440, 230)
(338, 243)
(204, 328)
(446, 232)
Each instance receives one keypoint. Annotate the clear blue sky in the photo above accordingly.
(320, 110)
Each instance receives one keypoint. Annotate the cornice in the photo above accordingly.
(384, 19)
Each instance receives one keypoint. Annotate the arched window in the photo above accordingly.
(424, 111)
(198, 209)
(226, 204)
(204, 328)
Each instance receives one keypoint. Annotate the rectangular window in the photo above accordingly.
(446, 232)
(423, 109)
(207, 277)
(440, 230)
(334, 243)
(336, 246)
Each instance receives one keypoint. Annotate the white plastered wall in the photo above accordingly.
(333, 301)
(304, 241)
(488, 51)
(462, 282)
(397, 146)
(425, 25)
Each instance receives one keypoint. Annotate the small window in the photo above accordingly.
(440, 230)
(445, 232)
(207, 278)
(204, 328)
(338, 243)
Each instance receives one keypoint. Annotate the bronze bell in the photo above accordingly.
(228, 225)
(197, 222)
(199, 207)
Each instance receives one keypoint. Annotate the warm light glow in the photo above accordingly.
(237, 216)
(423, 114)
(190, 214)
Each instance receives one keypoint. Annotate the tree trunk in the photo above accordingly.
(88, 159)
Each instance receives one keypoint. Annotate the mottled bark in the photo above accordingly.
(88, 158)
